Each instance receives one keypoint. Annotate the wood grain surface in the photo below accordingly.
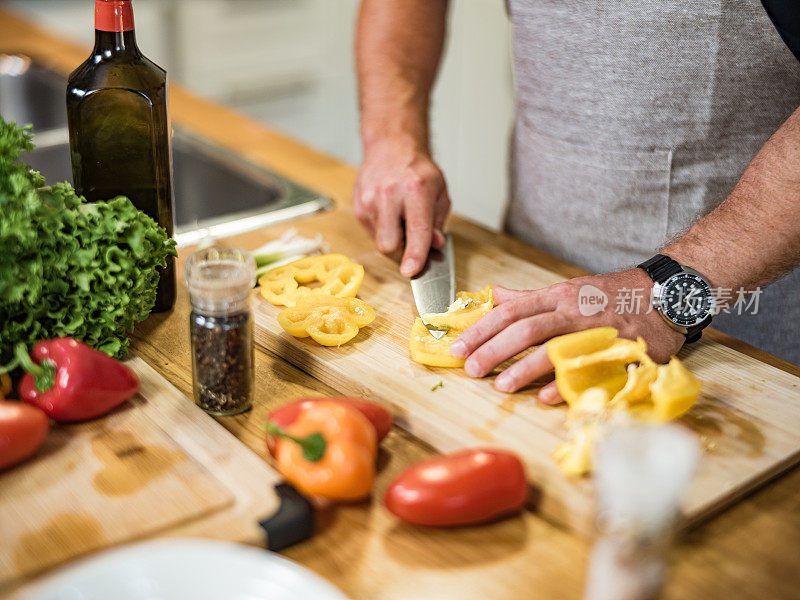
(745, 442)
(157, 465)
(747, 552)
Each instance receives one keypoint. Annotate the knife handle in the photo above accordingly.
(292, 523)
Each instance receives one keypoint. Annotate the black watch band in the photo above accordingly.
(662, 267)
(696, 332)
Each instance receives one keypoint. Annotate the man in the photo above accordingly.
(634, 120)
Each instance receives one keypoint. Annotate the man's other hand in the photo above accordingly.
(522, 319)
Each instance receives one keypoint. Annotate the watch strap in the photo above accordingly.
(693, 336)
(661, 267)
(695, 333)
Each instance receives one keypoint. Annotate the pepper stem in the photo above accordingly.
(313, 445)
(44, 374)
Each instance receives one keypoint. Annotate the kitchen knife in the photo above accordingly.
(434, 288)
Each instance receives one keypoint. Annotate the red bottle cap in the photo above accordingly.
(113, 15)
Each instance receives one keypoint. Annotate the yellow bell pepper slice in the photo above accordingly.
(637, 388)
(674, 392)
(467, 309)
(600, 376)
(574, 457)
(580, 343)
(327, 274)
(327, 320)
(427, 350)
(591, 405)
(605, 367)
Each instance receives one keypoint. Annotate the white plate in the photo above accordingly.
(183, 569)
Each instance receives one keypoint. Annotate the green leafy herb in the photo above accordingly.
(437, 386)
(69, 267)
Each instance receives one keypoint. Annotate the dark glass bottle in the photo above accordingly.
(119, 130)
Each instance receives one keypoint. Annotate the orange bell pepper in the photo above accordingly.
(328, 451)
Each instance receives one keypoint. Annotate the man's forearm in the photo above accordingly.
(753, 237)
(398, 46)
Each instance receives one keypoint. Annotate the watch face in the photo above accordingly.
(686, 299)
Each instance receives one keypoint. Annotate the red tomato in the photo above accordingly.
(22, 431)
(380, 416)
(463, 488)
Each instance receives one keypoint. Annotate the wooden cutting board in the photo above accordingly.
(747, 418)
(156, 466)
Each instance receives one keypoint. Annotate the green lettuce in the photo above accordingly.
(69, 267)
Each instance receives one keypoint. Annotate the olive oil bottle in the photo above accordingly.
(119, 131)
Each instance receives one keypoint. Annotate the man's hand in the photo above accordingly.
(523, 319)
(400, 190)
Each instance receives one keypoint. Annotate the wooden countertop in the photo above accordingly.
(750, 551)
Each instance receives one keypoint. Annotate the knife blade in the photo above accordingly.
(434, 287)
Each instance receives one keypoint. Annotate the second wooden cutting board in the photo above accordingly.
(746, 419)
(156, 466)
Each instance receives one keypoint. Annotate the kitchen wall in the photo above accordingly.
(290, 64)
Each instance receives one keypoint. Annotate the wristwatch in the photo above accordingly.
(682, 296)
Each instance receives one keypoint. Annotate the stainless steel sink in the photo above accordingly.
(216, 192)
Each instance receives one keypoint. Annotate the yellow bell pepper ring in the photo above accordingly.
(328, 320)
(327, 274)
(466, 310)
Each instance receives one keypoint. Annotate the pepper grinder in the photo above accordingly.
(220, 281)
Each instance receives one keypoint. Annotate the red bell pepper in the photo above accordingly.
(23, 429)
(71, 381)
(463, 488)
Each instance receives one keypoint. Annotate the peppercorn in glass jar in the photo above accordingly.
(220, 281)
